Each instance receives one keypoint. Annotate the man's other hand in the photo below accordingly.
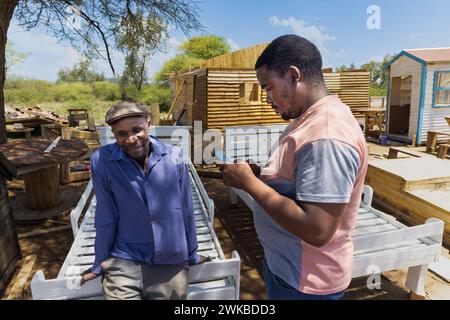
(87, 275)
(237, 175)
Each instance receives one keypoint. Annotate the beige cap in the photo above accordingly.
(125, 109)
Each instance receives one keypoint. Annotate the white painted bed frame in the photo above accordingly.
(381, 243)
(218, 279)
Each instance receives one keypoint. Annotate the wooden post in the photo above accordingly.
(431, 141)
(66, 133)
(49, 131)
(42, 188)
(155, 114)
(442, 152)
(28, 135)
(91, 122)
(393, 153)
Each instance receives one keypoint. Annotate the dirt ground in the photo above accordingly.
(234, 228)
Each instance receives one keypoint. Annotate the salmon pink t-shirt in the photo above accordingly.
(322, 158)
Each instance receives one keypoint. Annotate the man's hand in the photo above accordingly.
(204, 259)
(237, 175)
(87, 275)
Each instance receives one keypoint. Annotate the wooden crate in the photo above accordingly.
(67, 175)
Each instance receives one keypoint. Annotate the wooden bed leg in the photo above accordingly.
(415, 281)
(233, 197)
(414, 296)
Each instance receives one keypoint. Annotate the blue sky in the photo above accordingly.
(337, 27)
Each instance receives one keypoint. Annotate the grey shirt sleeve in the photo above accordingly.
(326, 171)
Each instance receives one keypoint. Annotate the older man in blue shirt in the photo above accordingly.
(144, 220)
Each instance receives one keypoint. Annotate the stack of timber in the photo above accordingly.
(355, 91)
(352, 87)
(33, 117)
(415, 189)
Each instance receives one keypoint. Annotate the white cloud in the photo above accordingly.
(45, 56)
(233, 45)
(415, 36)
(316, 34)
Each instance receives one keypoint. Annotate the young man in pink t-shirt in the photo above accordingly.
(310, 190)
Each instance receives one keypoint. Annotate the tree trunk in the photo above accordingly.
(6, 12)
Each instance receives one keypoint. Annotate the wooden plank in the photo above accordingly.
(415, 170)
(43, 231)
(441, 268)
(24, 275)
(52, 145)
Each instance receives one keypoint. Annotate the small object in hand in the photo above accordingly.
(220, 156)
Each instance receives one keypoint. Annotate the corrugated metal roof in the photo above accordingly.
(431, 55)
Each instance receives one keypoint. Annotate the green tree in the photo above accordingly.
(205, 47)
(179, 64)
(80, 72)
(13, 58)
(379, 75)
(94, 24)
(193, 52)
(344, 68)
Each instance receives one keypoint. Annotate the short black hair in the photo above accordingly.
(293, 50)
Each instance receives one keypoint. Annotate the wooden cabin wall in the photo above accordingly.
(433, 117)
(217, 97)
(185, 97)
(195, 80)
(200, 91)
(226, 104)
